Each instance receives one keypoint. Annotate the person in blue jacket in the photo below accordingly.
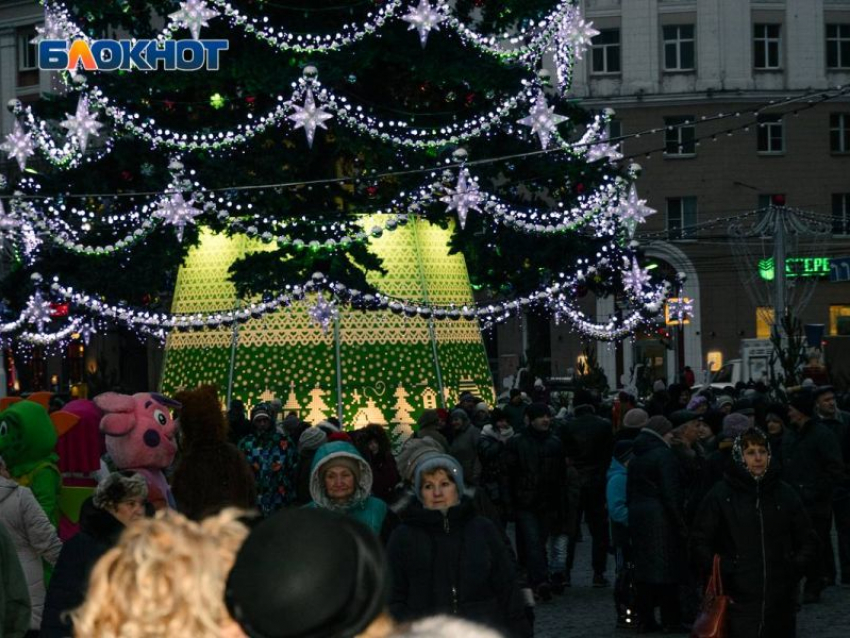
(618, 514)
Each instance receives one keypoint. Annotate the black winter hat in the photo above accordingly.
(803, 401)
(276, 589)
(536, 410)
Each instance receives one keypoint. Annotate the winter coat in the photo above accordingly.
(840, 427)
(362, 506)
(14, 597)
(812, 465)
(589, 443)
(618, 509)
(302, 482)
(535, 478)
(454, 563)
(99, 531)
(491, 453)
(765, 541)
(34, 537)
(516, 415)
(274, 460)
(464, 447)
(656, 518)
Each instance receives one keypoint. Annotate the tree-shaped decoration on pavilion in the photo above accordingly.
(402, 407)
(292, 404)
(318, 409)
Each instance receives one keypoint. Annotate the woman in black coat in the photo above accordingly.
(117, 502)
(758, 526)
(447, 560)
(657, 526)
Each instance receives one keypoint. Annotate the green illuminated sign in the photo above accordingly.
(796, 267)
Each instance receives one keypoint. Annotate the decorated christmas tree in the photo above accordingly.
(330, 191)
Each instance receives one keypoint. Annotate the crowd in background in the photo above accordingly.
(476, 516)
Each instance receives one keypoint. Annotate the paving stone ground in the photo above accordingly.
(584, 612)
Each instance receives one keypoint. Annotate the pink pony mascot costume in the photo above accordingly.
(139, 433)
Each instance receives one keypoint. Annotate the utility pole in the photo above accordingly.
(779, 259)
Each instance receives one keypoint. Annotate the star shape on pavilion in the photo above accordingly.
(19, 145)
(193, 15)
(309, 117)
(633, 210)
(424, 17)
(542, 119)
(175, 211)
(82, 124)
(464, 197)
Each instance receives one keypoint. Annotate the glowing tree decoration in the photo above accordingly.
(18, 145)
(424, 18)
(193, 15)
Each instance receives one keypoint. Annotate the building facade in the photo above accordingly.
(693, 78)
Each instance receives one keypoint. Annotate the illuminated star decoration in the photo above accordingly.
(309, 117)
(323, 312)
(576, 33)
(464, 197)
(193, 15)
(82, 124)
(423, 18)
(8, 222)
(542, 119)
(38, 311)
(176, 211)
(633, 211)
(603, 149)
(635, 278)
(19, 145)
(53, 28)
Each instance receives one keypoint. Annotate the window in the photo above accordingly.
(764, 322)
(605, 52)
(680, 135)
(838, 46)
(679, 47)
(841, 213)
(614, 129)
(766, 45)
(681, 216)
(27, 58)
(839, 132)
(839, 320)
(771, 135)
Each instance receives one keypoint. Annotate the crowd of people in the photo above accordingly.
(464, 527)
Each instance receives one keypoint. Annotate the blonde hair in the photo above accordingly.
(165, 577)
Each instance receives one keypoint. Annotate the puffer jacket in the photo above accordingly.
(364, 507)
(765, 540)
(618, 509)
(34, 537)
(454, 563)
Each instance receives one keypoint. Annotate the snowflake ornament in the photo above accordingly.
(464, 197)
(323, 313)
(175, 211)
(424, 18)
(19, 145)
(542, 119)
(635, 278)
(82, 124)
(633, 211)
(309, 117)
(193, 15)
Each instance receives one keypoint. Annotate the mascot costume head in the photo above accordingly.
(140, 433)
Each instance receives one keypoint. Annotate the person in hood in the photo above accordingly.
(34, 537)
(760, 529)
(374, 444)
(491, 452)
(118, 501)
(341, 481)
(447, 560)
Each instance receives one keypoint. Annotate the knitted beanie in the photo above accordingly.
(635, 418)
(735, 424)
(312, 439)
(439, 462)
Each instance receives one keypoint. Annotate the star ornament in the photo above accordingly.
(82, 124)
(323, 313)
(193, 15)
(176, 211)
(423, 17)
(576, 33)
(542, 119)
(53, 28)
(8, 222)
(309, 117)
(464, 197)
(634, 211)
(635, 278)
(603, 149)
(19, 145)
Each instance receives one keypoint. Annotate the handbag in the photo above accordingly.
(713, 619)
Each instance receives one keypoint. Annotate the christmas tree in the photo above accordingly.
(319, 410)
(324, 128)
(402, 407)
